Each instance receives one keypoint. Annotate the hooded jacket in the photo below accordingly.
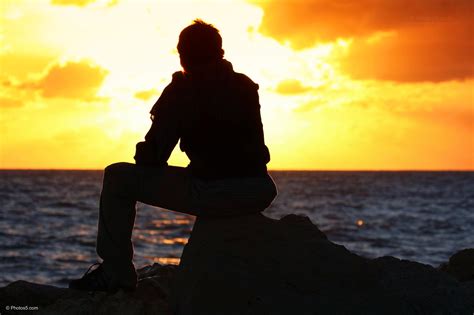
(215, 114)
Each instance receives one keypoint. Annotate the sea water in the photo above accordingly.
(48, 219)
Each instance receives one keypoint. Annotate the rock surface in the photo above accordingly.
(461, 265)
(257, 265)
(151, 296)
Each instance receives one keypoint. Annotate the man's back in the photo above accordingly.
(216, 114)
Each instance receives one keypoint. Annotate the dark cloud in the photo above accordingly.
(433, 42)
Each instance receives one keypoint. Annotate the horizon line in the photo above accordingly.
(270, 170)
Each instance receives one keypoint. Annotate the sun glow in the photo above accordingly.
(78, 79)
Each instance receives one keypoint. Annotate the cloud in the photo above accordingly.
(462, 119)
(20, 65)
(80, 3)
(291, 86)
(305, 22)
(306, 107)
(83, 3)
(79, 80)
(432, 38)
(8, 102)
(145, 95)
(434, 53)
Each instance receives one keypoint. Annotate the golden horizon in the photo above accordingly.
(393, 93)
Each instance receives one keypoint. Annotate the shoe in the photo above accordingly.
(95, 279)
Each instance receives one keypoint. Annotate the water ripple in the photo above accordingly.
(48, 219)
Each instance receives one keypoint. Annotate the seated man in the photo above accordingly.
(215, 114)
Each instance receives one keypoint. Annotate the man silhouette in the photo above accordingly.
(215, 114)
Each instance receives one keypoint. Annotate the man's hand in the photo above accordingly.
(145, 154)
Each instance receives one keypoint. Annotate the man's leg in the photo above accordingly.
(233, 196)
(124, 185)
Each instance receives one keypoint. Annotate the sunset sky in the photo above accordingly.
(354, 85)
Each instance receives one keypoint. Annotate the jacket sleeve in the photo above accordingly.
(251, 98)
(163, 135)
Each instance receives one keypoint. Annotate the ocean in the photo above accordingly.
(48, 219)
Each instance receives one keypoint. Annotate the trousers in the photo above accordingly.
(172, 188)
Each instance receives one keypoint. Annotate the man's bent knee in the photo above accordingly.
(120, 177)
(117, 167)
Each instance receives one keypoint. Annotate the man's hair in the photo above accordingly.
(199, 43)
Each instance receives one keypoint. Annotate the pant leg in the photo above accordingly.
(125, 184)
(172, 188)
(233, 196)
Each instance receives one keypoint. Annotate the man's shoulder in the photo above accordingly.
(170, 95)
(178, 82)
(244, 81)
(177, 76)
(240, 80)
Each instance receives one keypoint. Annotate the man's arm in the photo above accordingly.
(163, 135)
(251, 98)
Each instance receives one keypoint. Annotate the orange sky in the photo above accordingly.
(343, 84)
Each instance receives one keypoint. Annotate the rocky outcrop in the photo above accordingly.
(151, 296)
(461, 265)
(256, 265)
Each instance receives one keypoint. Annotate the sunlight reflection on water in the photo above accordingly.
(49, 218)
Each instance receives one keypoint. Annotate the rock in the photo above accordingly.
(461, 265)
(256, 265)
(151, 296)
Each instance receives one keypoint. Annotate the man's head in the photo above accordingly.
(199, 43)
